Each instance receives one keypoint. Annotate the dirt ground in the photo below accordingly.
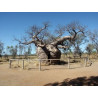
(49, 74)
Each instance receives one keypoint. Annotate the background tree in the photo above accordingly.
(67, 51)
(89, 49)
(25, 51)
(94, 39)
(78, 51)
(1, 48)
(29, 50)
(78, 42)
(6, 56)
(13, 51)
(20, 48)
(47, 43)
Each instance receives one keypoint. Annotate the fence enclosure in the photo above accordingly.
(37, 63)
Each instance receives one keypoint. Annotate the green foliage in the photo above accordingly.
(12, 50)
(1, 47)
(90, 48)
(20, 47)
(29, 50)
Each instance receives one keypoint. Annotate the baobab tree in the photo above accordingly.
(48, 44)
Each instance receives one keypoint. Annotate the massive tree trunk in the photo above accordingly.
(49, 52)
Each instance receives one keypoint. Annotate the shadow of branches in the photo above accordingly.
(80, 81)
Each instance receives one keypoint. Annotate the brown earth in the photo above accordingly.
(49, 74)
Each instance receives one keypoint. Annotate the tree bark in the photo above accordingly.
(49, 52)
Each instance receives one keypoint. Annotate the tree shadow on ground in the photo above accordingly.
(65, 62)
(1, 62)
(80, 81)
(74, 61)
(61, 62)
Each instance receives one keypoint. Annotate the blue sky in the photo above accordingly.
(15, 24)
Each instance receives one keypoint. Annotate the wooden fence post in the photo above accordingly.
(18, 62)
(50, 61)
(39, 65)
(85, 62)
(29, 60)
(68, 63)
(10, 63)
(23, 64)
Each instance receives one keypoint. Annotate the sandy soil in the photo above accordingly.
(49, 74)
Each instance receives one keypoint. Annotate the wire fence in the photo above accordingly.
(40, 64)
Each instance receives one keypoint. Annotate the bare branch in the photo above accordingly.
(61, 40)
(74, 28)
(63, 47)
(39, 45)
(27, 43)
(38, 32)
(60, 30)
